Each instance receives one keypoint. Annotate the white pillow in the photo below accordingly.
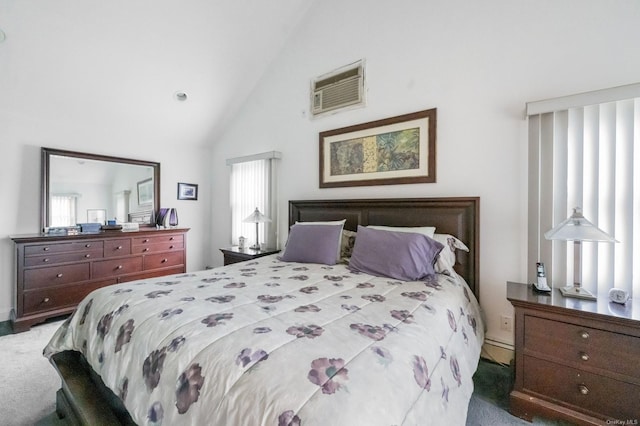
(330, 222)
(447, 257)
(424, 230)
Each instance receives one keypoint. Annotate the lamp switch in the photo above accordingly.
(506, 323)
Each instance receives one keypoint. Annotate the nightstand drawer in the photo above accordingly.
(583, 347)
(590, 392)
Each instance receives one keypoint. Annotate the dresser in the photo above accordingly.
(54, 273)
(575, 360)
(235, 254)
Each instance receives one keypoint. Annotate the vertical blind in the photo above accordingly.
(253, 184)
(63, 210)
(586, 154)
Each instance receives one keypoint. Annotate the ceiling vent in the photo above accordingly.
(341, 88)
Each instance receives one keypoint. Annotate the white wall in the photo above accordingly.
(100, 77)
(72, 76)
(477, 62)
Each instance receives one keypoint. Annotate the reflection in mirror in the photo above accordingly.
(87, 188)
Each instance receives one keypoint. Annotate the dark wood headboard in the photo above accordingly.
(456, 216)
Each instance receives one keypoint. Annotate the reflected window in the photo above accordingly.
(64, 210)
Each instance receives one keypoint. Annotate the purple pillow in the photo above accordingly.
(401, 255)
(313, 244)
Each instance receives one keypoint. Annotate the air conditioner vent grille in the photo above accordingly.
(342, 88)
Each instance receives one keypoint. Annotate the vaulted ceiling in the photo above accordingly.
(94, 64)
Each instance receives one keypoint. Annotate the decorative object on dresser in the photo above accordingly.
(578, 229)
(236, 254)
(167, 217)
(55, 272)
(575, 360)
(256, 217)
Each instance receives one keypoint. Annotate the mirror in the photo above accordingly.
(87, 188)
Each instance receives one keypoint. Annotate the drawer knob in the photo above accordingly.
(146, 249)
(583, 389)
(145, 241)
(170, 247)
(119, 248)
(584, 334)
(87, 245)
(584, 356)
(46, 249)
(87, 256)
(45, 300)
(59, 276)
(46, 259)
(171, 239)
(164, 260)
(119, 267)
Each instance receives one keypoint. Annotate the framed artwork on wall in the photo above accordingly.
(187, 191)
(391, 151)
(145, 192)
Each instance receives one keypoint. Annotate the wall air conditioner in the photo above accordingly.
(338, 89)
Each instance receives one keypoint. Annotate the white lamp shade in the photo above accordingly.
(256, 217)
(577, 228)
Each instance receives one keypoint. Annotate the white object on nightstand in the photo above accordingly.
(618, 295)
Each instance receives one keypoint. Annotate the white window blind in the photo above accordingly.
(587, 155)
(253, 184)
(63, 210)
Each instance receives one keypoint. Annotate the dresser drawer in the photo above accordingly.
(41, 249)
(583, 346)
(588, 391)
(55, 275)
(51, 259)
(163, 260)
(117, 247)
(156, 239)
(109, 268)
(155, 244)
(56, 298)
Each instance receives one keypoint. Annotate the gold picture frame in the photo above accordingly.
(392, 151)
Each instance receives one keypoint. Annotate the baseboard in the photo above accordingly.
(496, 351)
(5, 314)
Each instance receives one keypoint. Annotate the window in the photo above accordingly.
(584, 151)
(253, 184)
(63, 210)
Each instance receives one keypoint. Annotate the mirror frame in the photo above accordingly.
(46, 154)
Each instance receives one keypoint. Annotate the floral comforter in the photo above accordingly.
(274, 343)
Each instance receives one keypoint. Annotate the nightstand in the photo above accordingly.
(576, 360)
(235, 254)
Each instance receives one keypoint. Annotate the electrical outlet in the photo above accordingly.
(506, 323)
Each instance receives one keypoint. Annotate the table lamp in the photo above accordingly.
(578, 229)
(257, 218)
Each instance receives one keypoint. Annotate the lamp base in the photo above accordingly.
(577, 292)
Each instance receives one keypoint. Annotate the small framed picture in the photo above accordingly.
(96, 216)
(187, 191)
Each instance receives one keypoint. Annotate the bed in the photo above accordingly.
(280, 342)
